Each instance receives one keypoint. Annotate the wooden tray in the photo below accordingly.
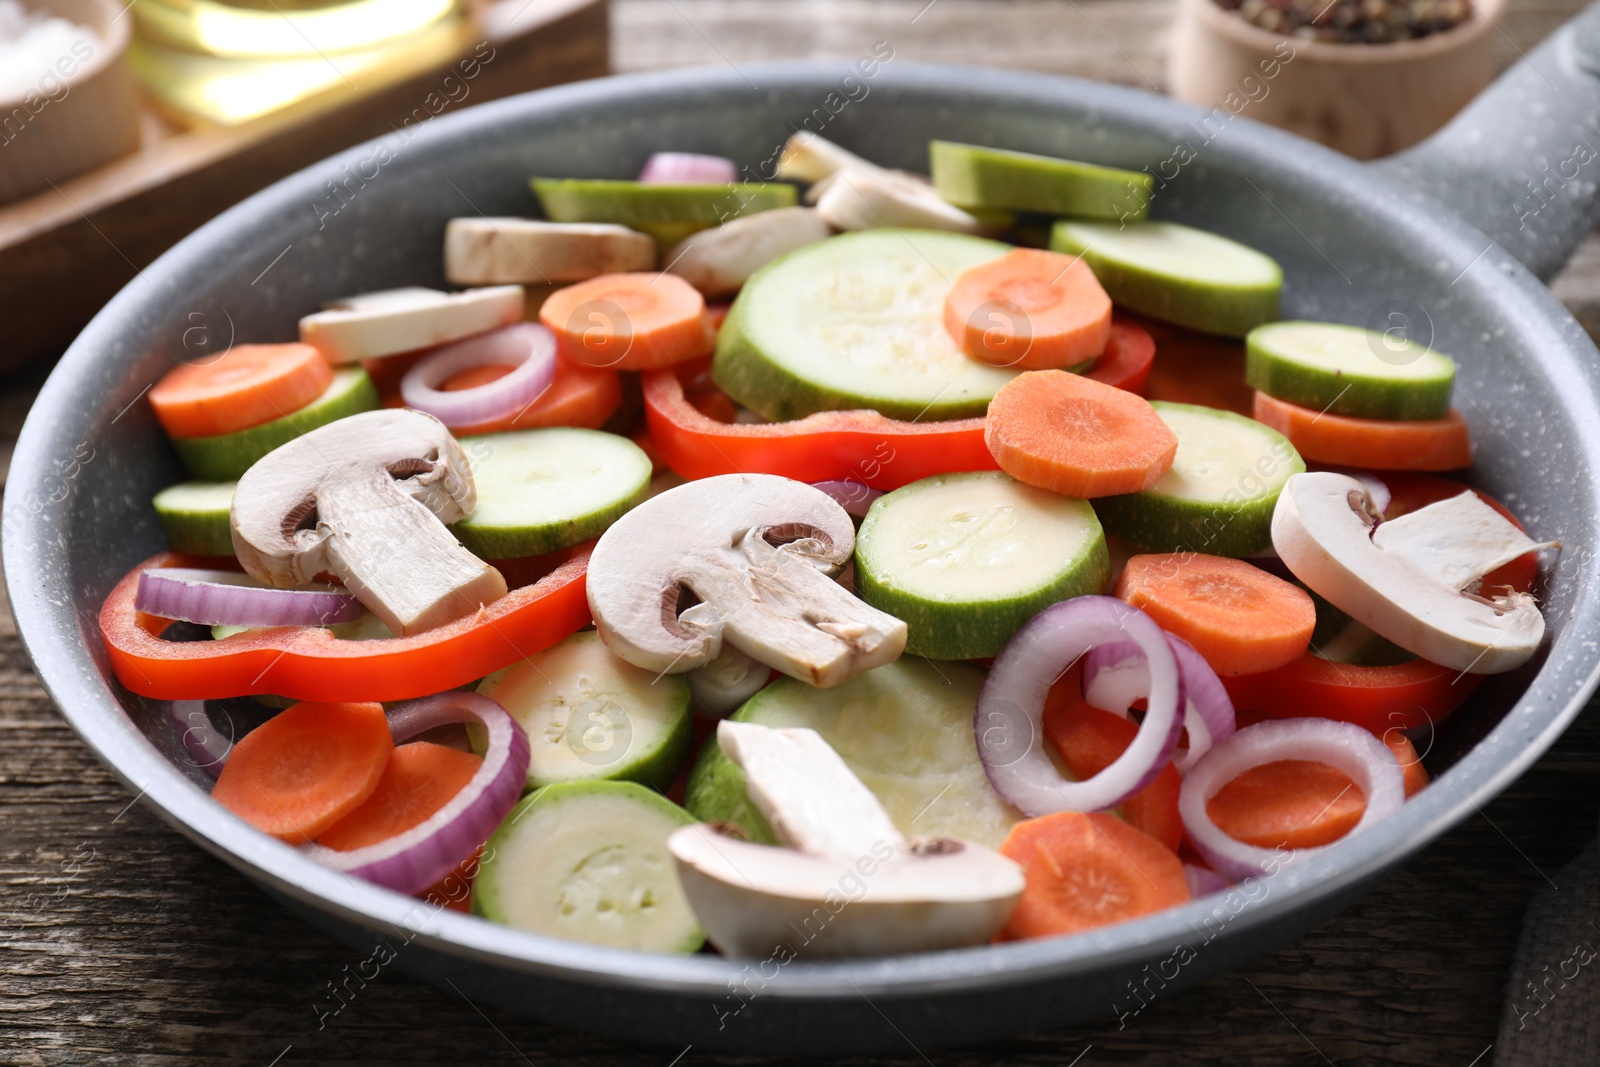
(65, 252)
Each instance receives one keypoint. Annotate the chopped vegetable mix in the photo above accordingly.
(624, 544)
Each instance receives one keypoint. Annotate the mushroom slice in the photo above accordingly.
(813, 801)
(403, 320)
(720, 260)
(851, 885)
(741, 557)
(876, 198)
(481, 251)
(366, 499)
(1408, 592)
(808, 158)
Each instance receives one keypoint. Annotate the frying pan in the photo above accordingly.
(1448, 242)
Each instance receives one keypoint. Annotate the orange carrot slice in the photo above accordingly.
(306, 768)
(1422, 445)
(1029, 309)
(1301, 804)
(419, 779)
(245, 386)
(1089, 740)
(1241, 619)
(1081, 438)
(629, 321)
(1084, 871)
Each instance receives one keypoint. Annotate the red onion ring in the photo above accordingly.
(852, 496)
(528, 348)
(204, 742)
(687, 168)
(1010, 741)
(228, 598)
(1368, 761)
(1114, 677)
(413, 861)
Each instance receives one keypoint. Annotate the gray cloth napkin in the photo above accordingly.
(1552, 1012)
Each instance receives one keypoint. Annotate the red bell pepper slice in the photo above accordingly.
(309, 663)
(859, 446)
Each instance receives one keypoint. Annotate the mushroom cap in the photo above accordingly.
(1322, 530)
(275, 532)
(752, 898)
(693, 537)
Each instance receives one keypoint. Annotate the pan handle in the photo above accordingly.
(1522, 161)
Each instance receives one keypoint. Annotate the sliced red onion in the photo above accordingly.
(1203, 881)
(528, 348)
(1010, 741)
(205, 743)
(1368, 761)
(687, 168)
(413, 861)
(228, 598)
(1114, 677)
(852, 496)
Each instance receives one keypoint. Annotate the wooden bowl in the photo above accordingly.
(1366, 100)
(84, 110)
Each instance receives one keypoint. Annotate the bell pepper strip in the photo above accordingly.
(309, 663)
(860, 446)
(1406, 696)
(1127, 359)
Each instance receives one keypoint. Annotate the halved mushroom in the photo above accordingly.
(853, 886)
(809, 158)
(873, 199)
(384, 323)
(481, 251)
(366, 499)
(744, 558)
(1413, 579)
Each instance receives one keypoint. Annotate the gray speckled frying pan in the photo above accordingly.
(1449, 237)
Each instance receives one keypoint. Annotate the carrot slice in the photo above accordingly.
(1084, 871)
(1090, 740)
(306, 768)
(1421, 445)
(245, 386)
(1029, 309)
(1299, 803)
(629, 321)
(1196, 368)
(1081, 438)
(419, 779)
(1241, 619)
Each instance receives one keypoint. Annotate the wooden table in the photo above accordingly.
(120, 943)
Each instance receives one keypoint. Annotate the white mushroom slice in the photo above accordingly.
(1323, 532)
(720, 260)
(755, 900)
(1457, 541)
(808, 158)
(479, 251)
(877, 198)
(366, 499)
(384, 323)
(731, 678)
(813, 801)
(755, 552)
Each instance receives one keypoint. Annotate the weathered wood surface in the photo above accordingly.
(121, 943)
